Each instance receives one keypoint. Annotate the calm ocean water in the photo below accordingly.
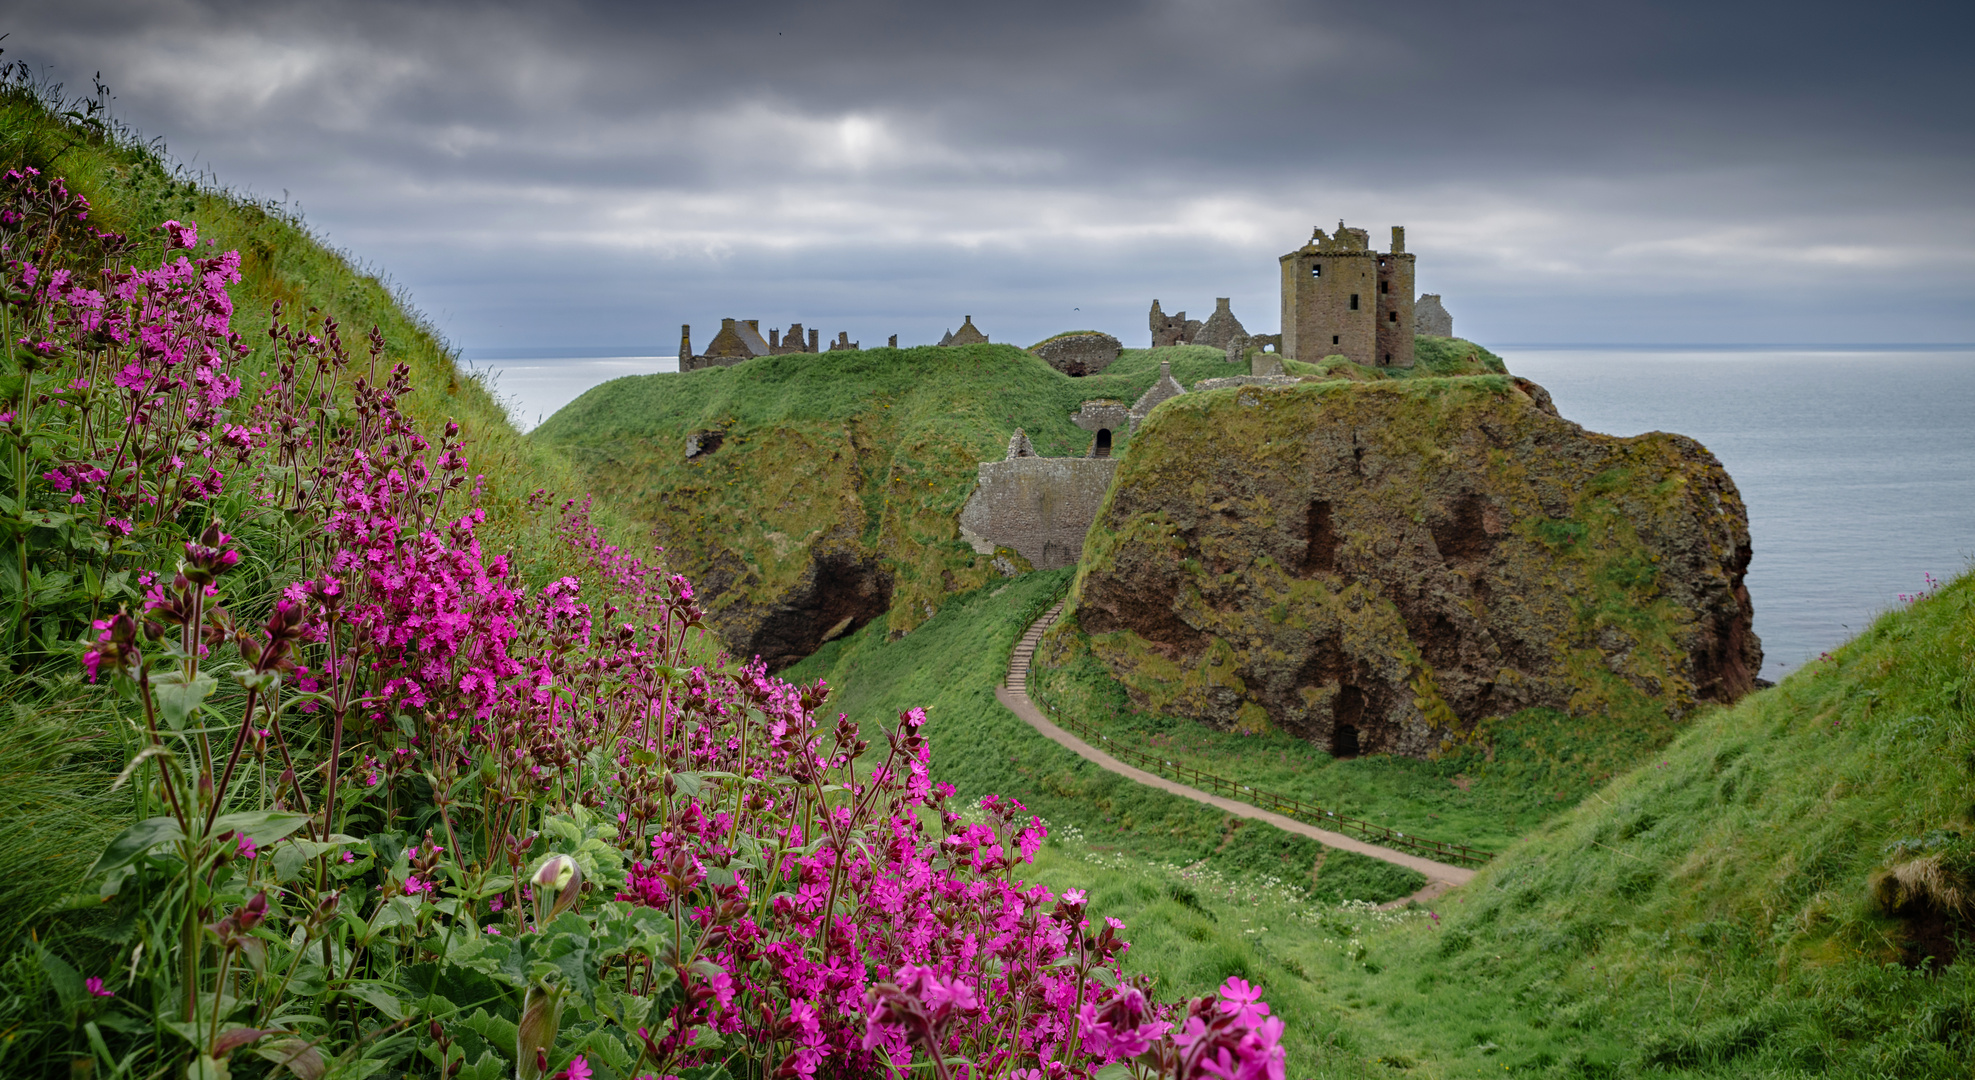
(1858, 465)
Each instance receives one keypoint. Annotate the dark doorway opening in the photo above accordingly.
(1103, 443)
(1344, 742)
(1346, 713)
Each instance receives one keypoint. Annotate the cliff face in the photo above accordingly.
(1379, 566)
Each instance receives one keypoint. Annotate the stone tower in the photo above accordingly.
(1340, 296)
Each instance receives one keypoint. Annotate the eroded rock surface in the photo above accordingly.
(839, 591)
(1377, 567)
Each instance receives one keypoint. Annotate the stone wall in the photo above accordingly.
(1171, 329)
(1041, 507)
(1077, 355)
(1221, 328)
(1430, 318)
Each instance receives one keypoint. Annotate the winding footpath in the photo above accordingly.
(1013, 694)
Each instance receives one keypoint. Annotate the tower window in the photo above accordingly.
(1391, 316)
(1354, 301)
(1316, 269)
(1388, 358)
(1384, 286)
(1333, 339)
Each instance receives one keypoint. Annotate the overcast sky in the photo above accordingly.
(593, 174)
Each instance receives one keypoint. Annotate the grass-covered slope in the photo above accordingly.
(838, 460)
(60, 747)
(950, 666)
(1538, 763)
(1776, 893)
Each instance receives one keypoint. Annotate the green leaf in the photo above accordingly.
(66, 980)
(264, 826)
(295, 1055)
(178, 699)
(379, 996)
(496, 1031)
(135, 841)
(207, 1068)
(491, 1066)
(292, 856)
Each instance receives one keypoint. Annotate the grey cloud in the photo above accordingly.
(596, 173)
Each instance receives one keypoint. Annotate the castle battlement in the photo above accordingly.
(1342, 297)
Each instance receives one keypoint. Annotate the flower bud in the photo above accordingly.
(556, 880)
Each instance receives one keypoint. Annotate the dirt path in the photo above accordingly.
(1013, 693)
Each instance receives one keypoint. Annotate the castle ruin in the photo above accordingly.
(1342, 297)
(1430, 318)
(741, 339)
(968, 334)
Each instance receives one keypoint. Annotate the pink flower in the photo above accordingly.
(95, 986)
(579, 1069)
(247, 849)
(181, 236)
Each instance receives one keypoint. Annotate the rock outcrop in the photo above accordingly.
(1085, 352)
(1378, 567)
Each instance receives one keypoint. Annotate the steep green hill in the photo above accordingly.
(59, 748)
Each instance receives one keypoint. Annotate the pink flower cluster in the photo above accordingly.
(829, 916)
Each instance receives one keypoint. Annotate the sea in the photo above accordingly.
(1857, 464)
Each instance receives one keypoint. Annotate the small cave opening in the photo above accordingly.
(1319, 540)
(1347, 713)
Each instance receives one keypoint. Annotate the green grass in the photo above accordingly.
(950, 666)
(1711, 912)
(1542, 762)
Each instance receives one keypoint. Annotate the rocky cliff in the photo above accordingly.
(1381, 566)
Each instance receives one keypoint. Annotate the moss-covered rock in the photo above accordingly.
(1378, 566)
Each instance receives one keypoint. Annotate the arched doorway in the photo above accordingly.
(1103, 443)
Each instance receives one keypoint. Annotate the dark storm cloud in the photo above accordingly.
(598, 173)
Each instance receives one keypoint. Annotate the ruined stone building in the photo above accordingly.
(1171, 329)
(968, 334)
(1039, 506)
(738, 340)
(1221, 328)
(1340, 296)
(741, 339)
(1042, 507)
(793, 342)
(1430, 318)
(1079, 354)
